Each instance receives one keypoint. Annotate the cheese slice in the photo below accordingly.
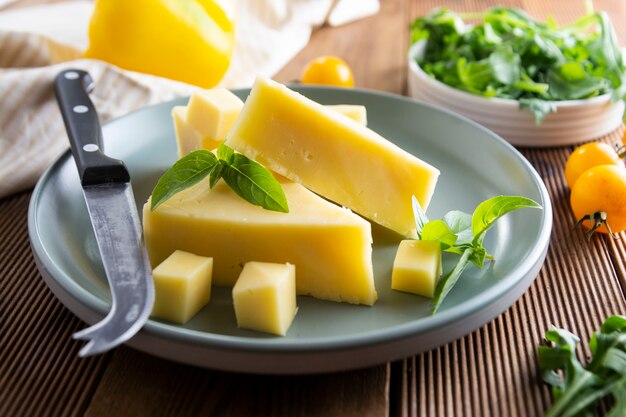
(329, 245)
(332, 155)
(264, 297)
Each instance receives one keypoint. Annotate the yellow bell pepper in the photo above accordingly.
(185, 40)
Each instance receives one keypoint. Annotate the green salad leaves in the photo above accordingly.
(510, 55)
(463, 234)
(578, 389)
(249, 179)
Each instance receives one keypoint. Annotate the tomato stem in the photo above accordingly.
(598, 218)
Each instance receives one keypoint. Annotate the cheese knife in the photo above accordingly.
(111, 206)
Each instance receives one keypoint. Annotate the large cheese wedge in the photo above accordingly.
(332, 155)
(329, 245)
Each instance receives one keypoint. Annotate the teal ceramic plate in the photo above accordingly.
(475, 164)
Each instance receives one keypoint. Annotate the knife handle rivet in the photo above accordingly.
(80, 109)
(71, 75)
(90, 147)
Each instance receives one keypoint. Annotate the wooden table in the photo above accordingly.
(490, 372)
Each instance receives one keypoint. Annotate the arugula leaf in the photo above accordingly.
(510, 55)
(505, 65)
(186, 172)
(247, 178)
(463, 234)
(578, 389)
(255, 184)
(538, 107)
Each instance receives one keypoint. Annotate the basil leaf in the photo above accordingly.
(255, 184)
(461, 224)
(225, 153)
(420, 216)
(446, 282)
(439, 231)
(216, 173)
(489, 211)
(186, 172)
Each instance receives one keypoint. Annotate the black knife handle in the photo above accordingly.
(72, 88)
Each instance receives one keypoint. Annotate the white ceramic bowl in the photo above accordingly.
(574, 121)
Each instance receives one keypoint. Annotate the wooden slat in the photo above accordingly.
(40, 373)
(139, 385)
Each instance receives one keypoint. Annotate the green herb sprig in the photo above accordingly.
(247, 178)
(510, 55)
(577, 389)
(463, 234)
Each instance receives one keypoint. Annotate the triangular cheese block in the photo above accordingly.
(330, 246)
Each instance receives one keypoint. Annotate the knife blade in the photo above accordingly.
(111, 205)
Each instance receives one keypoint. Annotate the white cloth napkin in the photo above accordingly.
(36, 43)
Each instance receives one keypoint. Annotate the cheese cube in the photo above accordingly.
(265, 297)
(417, 267)
(182, 286)
(355, 112)
(213, 112)
(332, 156)
(187, 138)
(330, 246)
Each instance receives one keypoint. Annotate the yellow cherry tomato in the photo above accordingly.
(328, 70)
(587, 156)
(185, 40)
(598, 199)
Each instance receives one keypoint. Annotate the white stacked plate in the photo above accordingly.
(573, 122)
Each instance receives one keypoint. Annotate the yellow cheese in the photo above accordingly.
(264, 297)
(329, 245)
(182, 286)
(187, 138)
(417, 267)
(332, 155)
(213, 112)
(353, 111)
